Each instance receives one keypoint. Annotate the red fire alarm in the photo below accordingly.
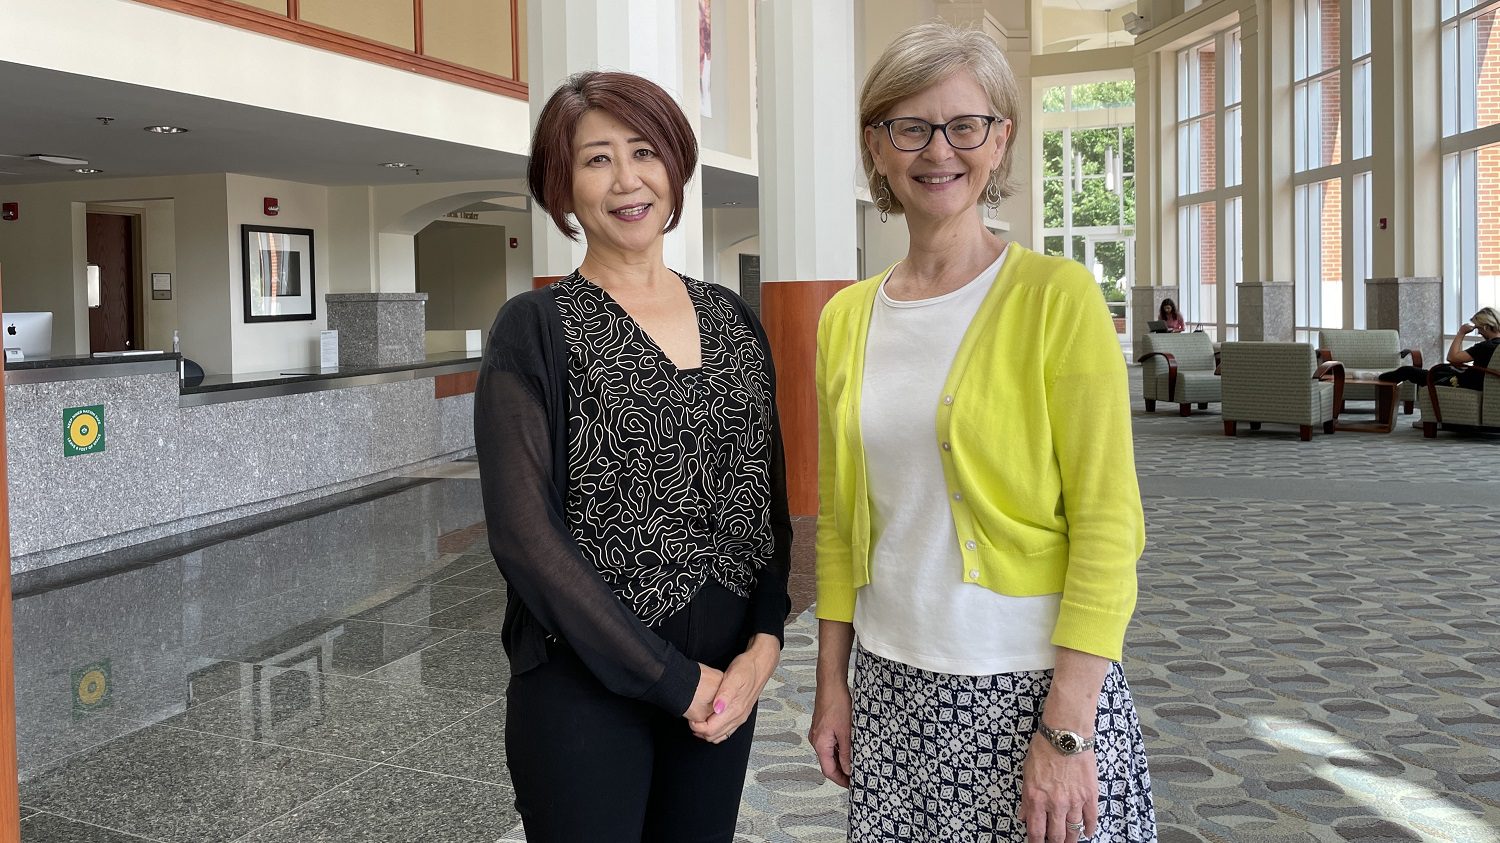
(271, 206)
(515, 242)
(12, 211)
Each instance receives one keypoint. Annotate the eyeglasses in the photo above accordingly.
(913, 134)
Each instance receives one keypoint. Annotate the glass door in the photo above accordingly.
(1111, 258)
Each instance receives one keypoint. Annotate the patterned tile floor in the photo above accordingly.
(1316, 653)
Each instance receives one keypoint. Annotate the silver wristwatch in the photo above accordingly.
(1064, 741)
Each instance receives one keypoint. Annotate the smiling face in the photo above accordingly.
(622, 194)
(940, 182)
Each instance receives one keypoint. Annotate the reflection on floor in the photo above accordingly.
(1314, 651)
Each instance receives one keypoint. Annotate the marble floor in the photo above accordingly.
(1314, 654)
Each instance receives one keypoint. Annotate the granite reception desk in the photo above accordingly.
(110, 452)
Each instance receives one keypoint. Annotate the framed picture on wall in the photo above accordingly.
(278, 273)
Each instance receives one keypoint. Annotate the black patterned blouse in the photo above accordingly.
(670, 470)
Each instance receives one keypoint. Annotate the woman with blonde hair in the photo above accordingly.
(1460, 370)
(979, 521)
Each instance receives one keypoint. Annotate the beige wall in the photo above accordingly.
(731, 129)
(727, 234)
(462, 269)
(44, 254)
(274, 346)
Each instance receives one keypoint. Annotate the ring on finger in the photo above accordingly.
(1075, 826)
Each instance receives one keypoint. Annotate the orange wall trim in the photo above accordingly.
(459, 383)
(789, 310)
(10, 804)
(541, 281)
(313, 35)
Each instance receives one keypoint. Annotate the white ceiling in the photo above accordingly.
(44, 111)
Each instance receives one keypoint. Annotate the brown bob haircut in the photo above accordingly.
(633, 100)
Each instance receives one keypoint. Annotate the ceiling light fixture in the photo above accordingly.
(730, 202)
(64, 160)
(166, 130)
(86, 171)
(396, 165)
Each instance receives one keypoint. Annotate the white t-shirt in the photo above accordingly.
(917, 609)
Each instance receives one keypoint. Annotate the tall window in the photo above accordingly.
(1210, 182)
(1088, 183)
(1471, 158)
(1332, 163)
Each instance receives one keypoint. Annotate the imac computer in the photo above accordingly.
(29, 332)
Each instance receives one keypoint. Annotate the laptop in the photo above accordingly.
(30, 332)
(1156, 326)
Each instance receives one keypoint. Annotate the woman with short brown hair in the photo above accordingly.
(634, 492)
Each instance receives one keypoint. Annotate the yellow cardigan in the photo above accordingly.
(1034, 433)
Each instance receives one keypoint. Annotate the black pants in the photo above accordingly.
(1443, 375)
(589, 766)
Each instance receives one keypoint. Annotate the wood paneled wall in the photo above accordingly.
(10, 804)
(789, 310)
(360, 38)
(459, 383)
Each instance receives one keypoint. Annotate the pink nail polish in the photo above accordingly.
(718, 706)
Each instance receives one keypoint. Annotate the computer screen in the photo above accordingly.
(1156, 327)
(30, 332)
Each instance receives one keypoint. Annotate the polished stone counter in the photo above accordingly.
(104, 358)
(175, 458)
(84, 367)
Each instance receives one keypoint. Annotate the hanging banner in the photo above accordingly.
(705, 57)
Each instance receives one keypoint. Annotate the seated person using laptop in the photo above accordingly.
(1169, 320)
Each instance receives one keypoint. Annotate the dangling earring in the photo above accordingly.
(992, 194)
(883, 199)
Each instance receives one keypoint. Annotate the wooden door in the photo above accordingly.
(111, 246)
(10, 806)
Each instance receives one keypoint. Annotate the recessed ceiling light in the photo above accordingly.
(86, 171)
(166, 130)
(731, 202)
(64, 160)
(396, 164)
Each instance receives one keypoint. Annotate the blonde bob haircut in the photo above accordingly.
(923, 56)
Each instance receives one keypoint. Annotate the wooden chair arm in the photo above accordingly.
(1171, 370)
(1432, 395)
(1414, 354)
(1333, 370)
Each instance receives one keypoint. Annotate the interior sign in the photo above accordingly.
(83, 430)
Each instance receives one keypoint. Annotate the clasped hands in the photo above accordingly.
(725, 698)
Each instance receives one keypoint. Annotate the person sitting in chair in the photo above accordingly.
(1168, 314)
(1459, 370)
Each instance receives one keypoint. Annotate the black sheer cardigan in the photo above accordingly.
(521, 436)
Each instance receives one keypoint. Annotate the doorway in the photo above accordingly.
(112, 246)
(1111, 258)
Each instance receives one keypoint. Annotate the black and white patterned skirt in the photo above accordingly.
(937, 757)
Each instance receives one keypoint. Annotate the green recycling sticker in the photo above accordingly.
(83, 430)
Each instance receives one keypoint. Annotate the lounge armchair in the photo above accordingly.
(1456, 407)
(1279, 382)
(1366, 354)
(1179, 368)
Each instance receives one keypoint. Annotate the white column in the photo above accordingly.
(808, 171)
(652, 38)
(808, 163)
